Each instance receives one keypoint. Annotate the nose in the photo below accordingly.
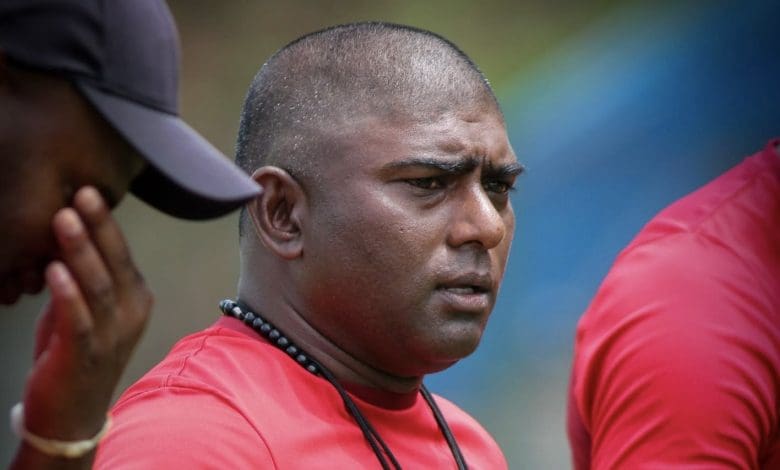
(476, 219)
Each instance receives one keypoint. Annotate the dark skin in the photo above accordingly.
(63, 162)
(387, 265)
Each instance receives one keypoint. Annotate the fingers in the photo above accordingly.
(70, 384)
(43, 331)
(129, 287)
(96, 255)
(68, 314)
(85, 265)
(107, 237)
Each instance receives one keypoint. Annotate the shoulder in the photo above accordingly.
(214, 361)
(181, 424)
(677, 351)
(676, 356)
(682, 280)
(187, 410)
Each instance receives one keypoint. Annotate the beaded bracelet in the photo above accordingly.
(54, 447)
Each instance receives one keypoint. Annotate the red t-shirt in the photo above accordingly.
(676, 360)
(225, 398)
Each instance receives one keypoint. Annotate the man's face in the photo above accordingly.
(409, 235)
(51, 143)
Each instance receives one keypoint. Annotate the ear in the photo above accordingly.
(278, 212)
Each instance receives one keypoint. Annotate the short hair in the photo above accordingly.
(345, 72)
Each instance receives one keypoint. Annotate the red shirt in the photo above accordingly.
(676, 360)
(225, 398)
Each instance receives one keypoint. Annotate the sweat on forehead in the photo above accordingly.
(344, 73)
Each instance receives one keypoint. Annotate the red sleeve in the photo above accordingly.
(180, 427)
(676, 362)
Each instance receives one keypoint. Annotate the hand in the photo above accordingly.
(98, 309)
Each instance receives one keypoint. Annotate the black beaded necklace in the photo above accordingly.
(383, 453)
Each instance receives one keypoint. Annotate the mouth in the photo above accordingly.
(464, 290)
(468, 283)
(468, 293)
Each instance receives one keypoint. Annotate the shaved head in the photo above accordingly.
(311, 90)
(338, 75)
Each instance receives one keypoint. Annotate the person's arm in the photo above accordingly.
(674, 364)
(98, 309)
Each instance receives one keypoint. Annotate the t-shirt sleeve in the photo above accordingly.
(676, 362)
(181, 427)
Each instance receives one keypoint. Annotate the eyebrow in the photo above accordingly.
(504, 171)
(458, 167)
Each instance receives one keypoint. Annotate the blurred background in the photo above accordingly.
(616, 107)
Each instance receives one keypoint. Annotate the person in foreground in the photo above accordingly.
(88, 100)
(676, 359)
(372, 258)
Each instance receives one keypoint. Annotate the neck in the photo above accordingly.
(273, 305)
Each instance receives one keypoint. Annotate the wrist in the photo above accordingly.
(55, 447)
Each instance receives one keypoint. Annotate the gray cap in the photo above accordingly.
(123, 55)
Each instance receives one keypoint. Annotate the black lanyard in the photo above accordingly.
(378, 445)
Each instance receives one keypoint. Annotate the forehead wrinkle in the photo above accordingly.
(452, 146)
(480, 147)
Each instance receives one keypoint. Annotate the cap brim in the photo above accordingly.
(187, 177)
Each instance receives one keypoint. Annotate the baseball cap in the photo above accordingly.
(123, 56)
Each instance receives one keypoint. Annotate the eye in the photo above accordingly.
(498, 187)
(429, 183)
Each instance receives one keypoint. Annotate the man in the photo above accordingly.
(676, 359)
(88, 93)
(373, 258)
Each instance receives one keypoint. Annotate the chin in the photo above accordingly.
(462, 348)
(451, 349)
(435, 358)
